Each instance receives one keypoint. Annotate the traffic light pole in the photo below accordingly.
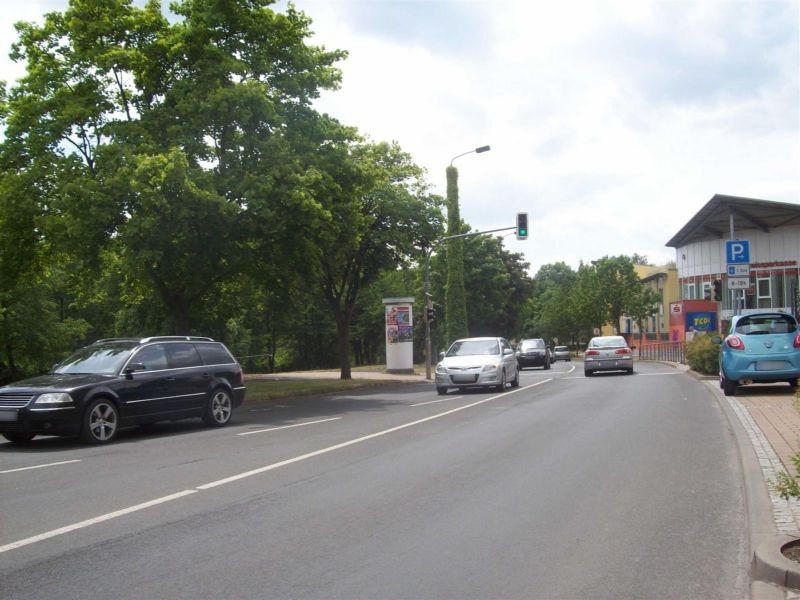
(428, 301)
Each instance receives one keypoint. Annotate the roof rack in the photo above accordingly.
(108, 340)
(158, 338)
(173, 338)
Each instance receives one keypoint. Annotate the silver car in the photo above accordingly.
(477, 362)
(561, 353)
(607, 353)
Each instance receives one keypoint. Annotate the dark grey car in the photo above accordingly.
(533, 352)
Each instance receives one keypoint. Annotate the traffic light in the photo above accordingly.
(718, 290)
(431, 313)
(522, 226)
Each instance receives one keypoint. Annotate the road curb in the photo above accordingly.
(769, 564)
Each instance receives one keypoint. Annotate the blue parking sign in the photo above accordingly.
(737, 251)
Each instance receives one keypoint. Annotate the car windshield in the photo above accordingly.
(105, 359)
(561, 348)
(765, 324)
(608, 342)
(474, 347)
(531, 344)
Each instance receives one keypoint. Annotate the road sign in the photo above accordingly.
(737, 251)
(738, 283)
(739, 270)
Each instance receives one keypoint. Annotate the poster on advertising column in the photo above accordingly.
(398, 324)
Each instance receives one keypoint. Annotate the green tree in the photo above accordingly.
(553, 315)
(380, 217)
(496, 284)
(455, 295)
(618, 287)
(208, 119)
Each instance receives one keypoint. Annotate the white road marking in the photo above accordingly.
(437, 401)
(63, 462)
(112, 515)
(125, 511)
(289, 426)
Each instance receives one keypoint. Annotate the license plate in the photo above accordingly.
(7, 416)
(771, 365)
(464, 378)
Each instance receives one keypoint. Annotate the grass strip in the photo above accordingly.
(265, 390)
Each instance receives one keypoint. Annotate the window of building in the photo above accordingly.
(763, 292)
(688, 292)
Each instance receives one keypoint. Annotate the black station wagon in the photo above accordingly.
(116, 383)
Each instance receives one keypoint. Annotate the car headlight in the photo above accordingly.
(54, 399)
(440, 369)
(491, 367)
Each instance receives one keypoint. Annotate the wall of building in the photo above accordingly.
(774, 260)
(708, 257)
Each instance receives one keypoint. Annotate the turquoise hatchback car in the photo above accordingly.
(762, 347)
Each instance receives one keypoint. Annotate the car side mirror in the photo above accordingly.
(441, 355)
(507, 352)
(132, 368)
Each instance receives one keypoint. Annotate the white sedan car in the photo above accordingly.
(477, 362)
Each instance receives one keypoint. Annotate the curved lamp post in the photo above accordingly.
(453, 218)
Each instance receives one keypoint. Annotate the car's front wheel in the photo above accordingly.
(100, 422)
(19, 438)
(441, 390)
(515, 381)
(502, 385)
(219, 409)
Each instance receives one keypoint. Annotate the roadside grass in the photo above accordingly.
(266, 390)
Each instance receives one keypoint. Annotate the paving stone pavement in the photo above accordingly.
(773, 425)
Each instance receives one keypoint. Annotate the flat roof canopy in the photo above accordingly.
(713, 220)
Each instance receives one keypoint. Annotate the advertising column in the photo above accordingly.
(399, 335)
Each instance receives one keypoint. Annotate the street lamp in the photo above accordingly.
(453, 221)
(475, 150)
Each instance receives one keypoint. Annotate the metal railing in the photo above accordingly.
(667, 351)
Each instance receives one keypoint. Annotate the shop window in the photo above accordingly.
(763, 292)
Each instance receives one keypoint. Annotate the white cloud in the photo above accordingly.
(611, 123)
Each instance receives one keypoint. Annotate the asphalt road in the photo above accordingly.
(569, 487)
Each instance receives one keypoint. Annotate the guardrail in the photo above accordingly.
(667, 351)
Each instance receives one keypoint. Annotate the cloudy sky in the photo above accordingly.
(611, 123)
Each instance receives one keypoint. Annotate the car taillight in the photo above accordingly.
(796, 343)
(623, 351)
(592, 353)
(737, 343)
(241, 377)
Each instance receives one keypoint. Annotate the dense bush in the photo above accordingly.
(703, 355)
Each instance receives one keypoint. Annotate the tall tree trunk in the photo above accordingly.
(343, 329)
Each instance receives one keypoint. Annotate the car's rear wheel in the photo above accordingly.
(728, 386)
(587, 373)
(100, 422)
(219, 409)
(792, 383)
(19, 438)
(546, 364)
